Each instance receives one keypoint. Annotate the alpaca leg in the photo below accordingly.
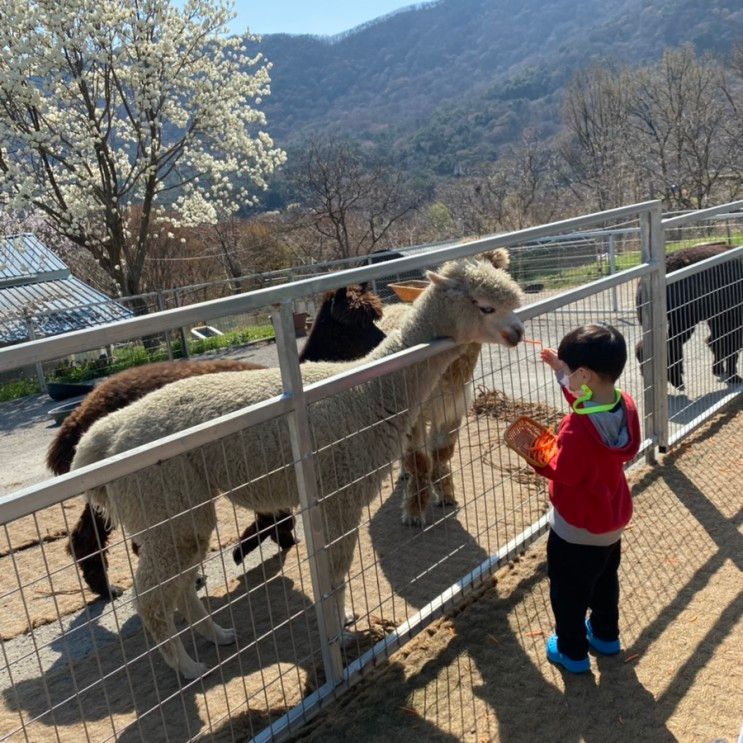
(418, 487)
(342, 518)
(725, 343)
(441, 473)
(283, 534)
(195, 613)
(447, 419)
(279, 526)
(157, 591)
(87, 545)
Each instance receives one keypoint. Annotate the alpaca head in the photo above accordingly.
(355, 306)
(480, 300)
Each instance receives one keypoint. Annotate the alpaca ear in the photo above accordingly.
(442, 282)
(498, 257)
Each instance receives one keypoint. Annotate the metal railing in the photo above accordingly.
(294, 406)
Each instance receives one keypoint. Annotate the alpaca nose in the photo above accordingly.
(513, 335)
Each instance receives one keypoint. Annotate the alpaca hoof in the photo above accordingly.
(225, 636)
(287, 541)
(193, 670)
(110, 592)
(412, 519)
(200, 582)
(446, 499)
(238, 555)
(349, 618)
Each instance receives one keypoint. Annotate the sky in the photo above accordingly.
(323, 17)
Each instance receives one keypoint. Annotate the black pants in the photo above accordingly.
(583, 577)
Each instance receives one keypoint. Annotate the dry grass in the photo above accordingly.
(477, 675)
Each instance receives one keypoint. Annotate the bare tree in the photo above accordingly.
(249, 247)
(531, 174)
(680, 118)
(596, 119)
(477, 202)
(352, 201)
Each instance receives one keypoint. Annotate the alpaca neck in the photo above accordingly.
(421, 325)
(412, 385)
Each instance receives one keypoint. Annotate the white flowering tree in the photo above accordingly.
(119, 117)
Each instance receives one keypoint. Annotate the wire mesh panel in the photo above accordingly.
(394, 477)
(76, 668)
(705, 340)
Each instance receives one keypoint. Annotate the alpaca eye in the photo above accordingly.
(486, 310)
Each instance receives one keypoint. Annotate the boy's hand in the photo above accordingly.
(549, 356)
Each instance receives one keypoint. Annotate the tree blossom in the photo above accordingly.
(110, 108)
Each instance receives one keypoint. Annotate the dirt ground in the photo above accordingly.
(86, 670)
(481, 674)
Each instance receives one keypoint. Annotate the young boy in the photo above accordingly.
(591, 501)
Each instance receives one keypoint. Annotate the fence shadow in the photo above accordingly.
(139, 684)
(503, 635)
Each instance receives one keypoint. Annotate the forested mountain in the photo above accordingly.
(443, 85)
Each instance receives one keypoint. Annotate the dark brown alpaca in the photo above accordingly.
(712, 296)
(91, 533)
(344, 328)
(343, 331)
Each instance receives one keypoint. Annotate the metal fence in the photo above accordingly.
(72, 667)
(542, 266)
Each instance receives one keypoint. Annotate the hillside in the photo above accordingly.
(446, 84)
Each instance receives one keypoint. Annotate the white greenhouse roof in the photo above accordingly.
(36, 286)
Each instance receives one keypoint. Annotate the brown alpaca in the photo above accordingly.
(343, 331)
(91, 533)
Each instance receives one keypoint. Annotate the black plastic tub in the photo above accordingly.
(63, 390)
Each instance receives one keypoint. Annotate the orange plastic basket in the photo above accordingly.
(521, 436)
(408, 291)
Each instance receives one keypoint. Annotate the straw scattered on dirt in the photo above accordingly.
(481, 675)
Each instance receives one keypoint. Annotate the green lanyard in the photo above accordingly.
(587, 395)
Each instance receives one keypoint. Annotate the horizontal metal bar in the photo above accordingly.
(44, 349)
(55, 490)
(701, 214)
(354, 672)
(703, 417)
(375, 369)
(531, 311)
(686, 271)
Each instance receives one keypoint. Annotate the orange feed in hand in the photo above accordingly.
(544, 448)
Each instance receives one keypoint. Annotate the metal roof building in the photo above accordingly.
(38, 293)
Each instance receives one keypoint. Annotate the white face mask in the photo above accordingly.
(563, 379)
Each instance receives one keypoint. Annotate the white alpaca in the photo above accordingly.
(427, 460)
(356, 433)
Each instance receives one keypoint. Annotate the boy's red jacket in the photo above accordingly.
(587, 482)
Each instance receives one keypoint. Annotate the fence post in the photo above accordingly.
(160, 308)
(32, 337)
(328, 621)
(612, 271)
(655, 329)
(182, 331)
(374, 281)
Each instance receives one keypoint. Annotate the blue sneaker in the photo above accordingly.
(605, 647)
(574, 666)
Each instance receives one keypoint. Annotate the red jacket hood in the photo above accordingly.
(587, 482)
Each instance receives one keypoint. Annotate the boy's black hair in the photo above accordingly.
(600, 348)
